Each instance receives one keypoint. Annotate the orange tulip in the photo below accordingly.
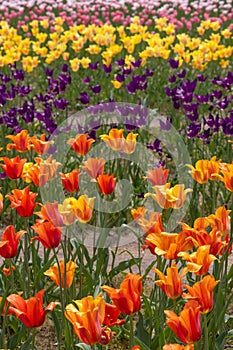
(87, 316)
(48, 234)
(106, 183)
(187, 326)
(221, 220)
(40, 146)
(70, 180)
(23, 201)
(53, 273)
(21, 142)
(227, 176)
(199, 261)
(128, 298)
(81, 144)
(167, 197)
(7, 270)
(94, 167)
(202, 292)
(30, 311)
(171, 284)
(157, 176)
(168, 244)
(68, 215)
(13, 167)
(178, 347)
(9, 242)
(83, 207)
(115, 139)
(152, 225)
(35, 175)
(50, 212)
(111, 316)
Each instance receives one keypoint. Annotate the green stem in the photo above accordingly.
(206, 333)
(131, 334)
(62, 299)
(33, 338)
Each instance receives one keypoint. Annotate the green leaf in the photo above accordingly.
(141, 332)
(27, 343)
(83, 346)
(123, 265)
(221, 340)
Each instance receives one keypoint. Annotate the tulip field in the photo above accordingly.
(116, 175)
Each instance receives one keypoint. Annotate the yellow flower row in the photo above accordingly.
(80, 44)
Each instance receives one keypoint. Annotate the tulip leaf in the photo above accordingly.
(123, 265)
(221, 340)
(141, 333)
(83, 346)
(27, 344)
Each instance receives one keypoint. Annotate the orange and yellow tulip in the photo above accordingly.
(129, 143)
(68, 215)
(115, 139)
(128, 298)
(87, 316)
(21, 142)
(171, 284)
(151, 225)
(53, 273)
(106, 183)
(83, 207)
(1, 202)
(94, 167)
(70, 180)
(221, 220)
(167, 244)
(48, 167)
(48, 234)
(187, 326)
(81, 144)
(31, 311)
(227, 176)
(199, 261)
(203, 293)
(205, 170)
(13, 167)
(9, 242)
(157, 176)
(23, 201)
(167, 197)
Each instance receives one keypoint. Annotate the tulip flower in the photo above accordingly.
(106, 183)
(53, 273)
(23, 201)
(40, 146)
(168, 244)
(87, 316)
(178, 347)
(130, 143)
(47, 167)
(157, 176)
(13, 167)
(128, 298)
(30, 311)
(49, 212)
(35, 175)
(68, 215)
(48, 234)
(167, 197)
(115, 139)
(171, 284)
(152, 225)
(111, 316)
(204, 170)
(199, 261)
(202, 292)
(83, 207)
(9, 242)
(21, 142)
(94, 167)
(221, 220)
(70, 180)
(187, 326)
(81, 144)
